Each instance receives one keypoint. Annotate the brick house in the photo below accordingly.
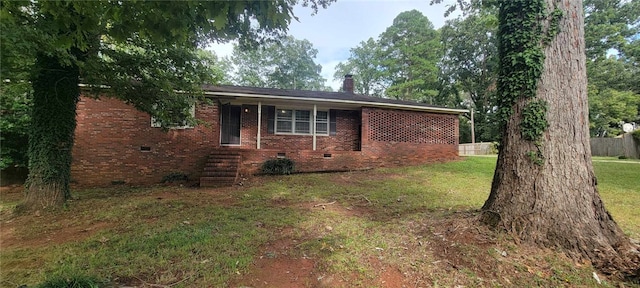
(245, 126)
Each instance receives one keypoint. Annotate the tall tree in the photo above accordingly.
(365, 66)
(609, 25)
(410, 51)
(612, 28)
(470, 64)
(287, 64)
(544, 188)
(143, 50)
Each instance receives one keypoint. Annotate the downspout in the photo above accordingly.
(313, 127)
(259, 124)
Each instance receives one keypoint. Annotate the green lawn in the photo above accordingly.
(415, 220)
(619, 187)
(609, 159)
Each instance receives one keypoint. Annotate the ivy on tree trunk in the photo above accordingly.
(55, 95)
(544, 189)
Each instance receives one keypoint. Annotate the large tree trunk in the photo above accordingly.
(555, 202)
(56, 94)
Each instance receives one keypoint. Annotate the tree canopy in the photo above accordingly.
(143, 51)
(612, 42)
(410, 51)
(364, 64)
(610, 24)
(401, 63)
(469, 66)
(612, 31)
(286, 64)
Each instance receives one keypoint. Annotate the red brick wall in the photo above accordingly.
(394, 138)
(415, 138)
(249, 124)
(411, 127)
(109, 137)
(347, 136)
(110, 134)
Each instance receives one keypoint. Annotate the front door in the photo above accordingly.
(230, 125)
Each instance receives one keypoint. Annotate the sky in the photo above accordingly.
(345, 23)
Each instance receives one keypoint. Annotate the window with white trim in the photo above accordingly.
(302, 122)
(292, 121)
(184, 125)
(322, 122)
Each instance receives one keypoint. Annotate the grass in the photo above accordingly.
(416, 220)
(603, 159)
(619, 187)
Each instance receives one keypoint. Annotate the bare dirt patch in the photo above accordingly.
(278, 266)
(336, 207)
(11, 193)
(388, 276)
(10, 238)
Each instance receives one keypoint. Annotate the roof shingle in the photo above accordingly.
(311, 95)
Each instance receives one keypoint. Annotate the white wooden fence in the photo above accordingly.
(612, 147)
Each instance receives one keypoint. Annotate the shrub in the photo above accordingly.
(280, 166)
(175, 177)
(495, 147)
(636, 135)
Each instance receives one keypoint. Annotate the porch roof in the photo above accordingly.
(330, 98)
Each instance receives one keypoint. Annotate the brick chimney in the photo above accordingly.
(347, 84)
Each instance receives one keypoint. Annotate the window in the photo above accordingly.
(284, 124)
(322, 122)
(291, 121)
(303, 121)
(183, 125)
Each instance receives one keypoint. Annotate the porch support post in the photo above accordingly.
(259, 124)
(313, 126)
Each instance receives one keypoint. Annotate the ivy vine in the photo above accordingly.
(53, 125)
(534, 120)
(522, 38)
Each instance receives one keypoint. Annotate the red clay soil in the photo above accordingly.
(277, 269)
